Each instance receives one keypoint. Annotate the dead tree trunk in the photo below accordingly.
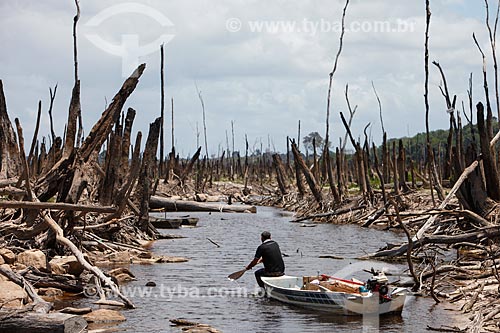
(10, 165)
(340, 173)
(395, 169)
(60, 177)
(490, 170)
(385, 161)
(189, 167)
(280, 173)
(402, 167)
(331, 180)
(162, 110)
(74, 111)
(379, 174)
(311, 181)
(125, 146)
(111, 168)
(146, 176)
(298, 178)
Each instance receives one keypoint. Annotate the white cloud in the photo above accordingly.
(265, 82)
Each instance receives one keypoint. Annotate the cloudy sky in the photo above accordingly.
(262, 64)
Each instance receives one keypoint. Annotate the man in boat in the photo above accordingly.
(269, 253)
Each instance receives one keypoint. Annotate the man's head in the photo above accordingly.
(265, 235)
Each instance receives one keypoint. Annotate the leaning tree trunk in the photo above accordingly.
(311, 181)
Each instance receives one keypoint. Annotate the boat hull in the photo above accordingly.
(173, 223)
(163, 223)
(287, 289)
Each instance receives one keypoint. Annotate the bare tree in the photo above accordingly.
(326, 152)
(379, 108)
(79, 136)
(51, 105)
(426, 93)
(204, 119)
(351, 114)
(162, 108)
(493, 40)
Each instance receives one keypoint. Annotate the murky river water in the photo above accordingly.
(199, 290)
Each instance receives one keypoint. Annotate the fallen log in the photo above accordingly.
(55, 281)
(194, 206)
(100, 225)
(472, 237)
(56, 206)
(330, 214)
(468, 306)
(21, 232)
(374, 217)
(10, 190)
(8, 182)
(30, 322)
(465, 213)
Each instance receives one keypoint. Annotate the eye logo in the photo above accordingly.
(129, 50)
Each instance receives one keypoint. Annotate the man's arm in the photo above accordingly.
(254, 262)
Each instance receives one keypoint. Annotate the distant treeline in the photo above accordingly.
(415, 146)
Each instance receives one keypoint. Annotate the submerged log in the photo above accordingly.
(29, 322)
(194, 206)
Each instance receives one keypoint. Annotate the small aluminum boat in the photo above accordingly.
(338, 296)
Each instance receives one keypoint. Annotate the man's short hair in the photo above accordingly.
(265, 235)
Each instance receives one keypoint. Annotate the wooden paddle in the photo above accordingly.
(236, 275)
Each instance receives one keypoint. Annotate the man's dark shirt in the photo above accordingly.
(271, 256)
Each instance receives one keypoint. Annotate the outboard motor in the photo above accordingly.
(378, 283)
